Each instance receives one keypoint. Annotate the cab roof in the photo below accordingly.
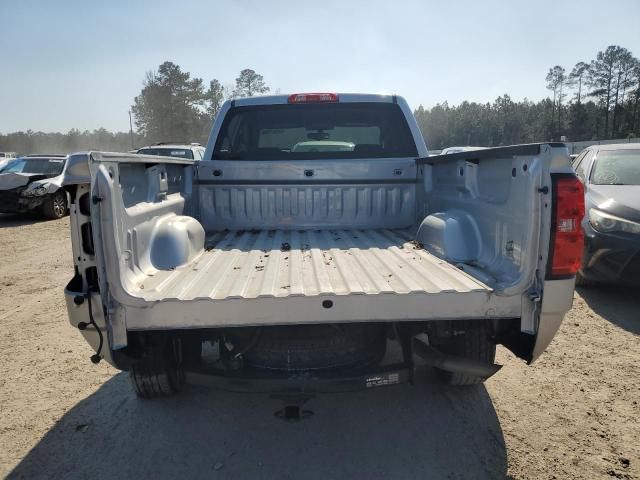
(284, 99)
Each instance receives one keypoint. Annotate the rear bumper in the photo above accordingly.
(611, 258)
(557, 301)
(308, 383)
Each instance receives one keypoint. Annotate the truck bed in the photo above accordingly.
(292, 263)
(312, 241)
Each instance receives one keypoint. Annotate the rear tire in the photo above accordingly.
(474, 344)
(157, 374)
(55, 206)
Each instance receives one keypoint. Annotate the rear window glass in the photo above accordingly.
(315, 131)
(168, 152)
(617, 167)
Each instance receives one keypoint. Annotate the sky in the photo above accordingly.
(79, 64)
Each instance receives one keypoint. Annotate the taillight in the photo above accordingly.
(313, 98)
(567, 234)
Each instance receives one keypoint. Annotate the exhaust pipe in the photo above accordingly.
(453, 363)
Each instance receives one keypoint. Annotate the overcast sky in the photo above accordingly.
(76, 64)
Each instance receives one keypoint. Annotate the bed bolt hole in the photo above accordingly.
(525, 167)
(327, 303)
(513, 172)
(217, 173)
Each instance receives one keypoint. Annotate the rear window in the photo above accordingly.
(315, 131)
(168, 152)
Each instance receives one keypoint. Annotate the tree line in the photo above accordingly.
(595, 100)
(72, 141)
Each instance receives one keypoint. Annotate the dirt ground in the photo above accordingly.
(573, 414)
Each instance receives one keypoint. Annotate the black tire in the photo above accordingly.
(55, 205)
(313, 347)
(474, 344)
(157, 374)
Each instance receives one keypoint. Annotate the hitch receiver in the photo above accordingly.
(292, 410)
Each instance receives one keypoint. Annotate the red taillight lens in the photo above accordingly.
(313, 97)
(568, 237)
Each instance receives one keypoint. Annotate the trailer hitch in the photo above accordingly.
(292, 410)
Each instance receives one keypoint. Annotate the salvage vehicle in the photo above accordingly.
(192, 151)
(611, 177)
(295, 272)
(34, 184)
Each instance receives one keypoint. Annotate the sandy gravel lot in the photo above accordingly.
(574, 414)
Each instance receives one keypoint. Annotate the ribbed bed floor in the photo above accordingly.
(281, 263)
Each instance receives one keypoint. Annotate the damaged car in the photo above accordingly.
(32, 184)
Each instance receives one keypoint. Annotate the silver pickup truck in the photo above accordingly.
(319, 248)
